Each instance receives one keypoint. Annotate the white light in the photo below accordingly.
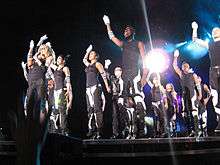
(156, 60)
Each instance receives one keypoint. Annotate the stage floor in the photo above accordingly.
(150, 147)
(59, 149)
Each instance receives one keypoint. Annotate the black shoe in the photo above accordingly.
(192, 134)
(113, 137)
(89, 134)
(98, 136)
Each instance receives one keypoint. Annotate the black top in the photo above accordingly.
(156, 94)
(188, 85)
(115, 85)
(91, 75)
(59, 77)
(130, 58)
(36, 72)
(214, 53)
(170, 100)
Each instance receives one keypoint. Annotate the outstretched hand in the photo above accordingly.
(23, 64)
(89, 49)
(31, 44)
(176, 53)
(107, 63)
(194, 25)
(106, 19)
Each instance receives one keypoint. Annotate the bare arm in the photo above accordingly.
(112, 36)
(175, 66)
(85, 58)
(206, 88)
(195, 36)
(103, 74)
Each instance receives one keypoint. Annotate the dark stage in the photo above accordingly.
(180, 150)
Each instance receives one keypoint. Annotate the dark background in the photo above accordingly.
(71, 26)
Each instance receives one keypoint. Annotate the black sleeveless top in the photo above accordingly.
(214, 53)
(91, 75)
(156, 94)
(130, 58)
(59, 78)
(188, 85)
(36, 72)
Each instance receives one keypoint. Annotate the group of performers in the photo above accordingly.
(130, 120)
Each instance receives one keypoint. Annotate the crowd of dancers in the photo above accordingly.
(49, 80)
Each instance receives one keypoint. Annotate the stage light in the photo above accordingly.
(157, 60)
(195, 50)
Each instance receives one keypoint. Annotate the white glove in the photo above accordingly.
(23, 64)
(107, 63)
(89, 49)
(31, 44)
(48, 44)
(176, 53)
(44, 37)
(194, 25)
(121, 101)
(106, 19)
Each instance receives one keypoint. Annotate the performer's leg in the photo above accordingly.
(98, 112)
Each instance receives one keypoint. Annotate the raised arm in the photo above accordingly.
(103, 74)
(30, 52)
(175, 66)
(40, 42)
(110, 32)
(195, 36)
(85, 58)
(148, 80)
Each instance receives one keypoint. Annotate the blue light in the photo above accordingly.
(195, 50)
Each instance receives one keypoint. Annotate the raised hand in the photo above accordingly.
(106, 19)
(23, 64)
(48, 44)
(31, 44)
(44, 37)
(176, 53)
(107, 63)
(194, 25)
(89, 49)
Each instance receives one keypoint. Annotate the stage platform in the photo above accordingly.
(65, 150)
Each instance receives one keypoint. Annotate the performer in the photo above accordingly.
(187, 80)
(93, 91)
(158, 105)
(116, 83)
(214, 70)
(203, 96)
(62, 75)
(133, 53)
(36, 82)
(140, 105)
(172, 108)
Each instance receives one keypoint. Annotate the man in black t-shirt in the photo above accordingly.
(214, 70)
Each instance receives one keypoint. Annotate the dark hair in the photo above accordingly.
(64, 57)
(131, 28)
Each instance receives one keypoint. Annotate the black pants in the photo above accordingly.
(214, 81)
(140, 119)
(36, 90)
(160, 123)
(94, 108)
(60, 106)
